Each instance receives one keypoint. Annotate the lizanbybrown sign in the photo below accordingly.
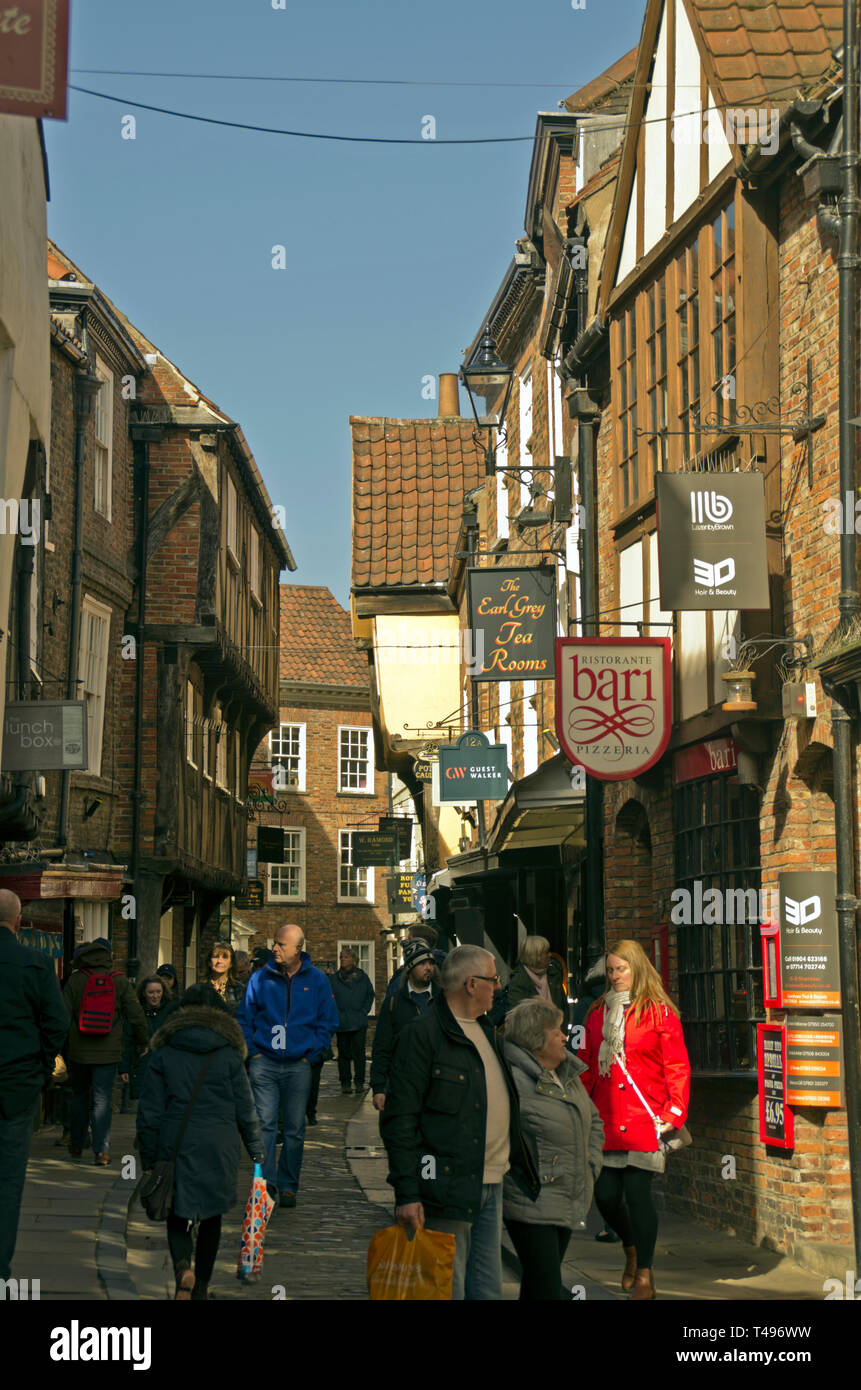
(34, 53)
(613, 703)
(512, 614)
(253, 898)
(810, 953)
(776, 1121)
(711, 541)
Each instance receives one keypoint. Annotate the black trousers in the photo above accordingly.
(351, 1048)
(15, 1136)
(314, 1093)
(540, 1250)
(179, 1238)
(624, 1198)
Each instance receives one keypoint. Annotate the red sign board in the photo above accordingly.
(776, 1121)
(705, 759)
(34, 54)
(613, 703)
(769, 934)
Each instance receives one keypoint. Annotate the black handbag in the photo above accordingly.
(156, 1190)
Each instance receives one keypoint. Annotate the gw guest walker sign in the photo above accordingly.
(613, 703)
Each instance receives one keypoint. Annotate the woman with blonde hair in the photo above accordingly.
(634, 1042)
(537, 975)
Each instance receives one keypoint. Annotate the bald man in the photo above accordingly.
(288, 1016)
(33, 1028)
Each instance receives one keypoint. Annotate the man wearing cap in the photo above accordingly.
(418, 988)
(171, 979)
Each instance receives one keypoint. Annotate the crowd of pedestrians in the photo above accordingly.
(491, 1110)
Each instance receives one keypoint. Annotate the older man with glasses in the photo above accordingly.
(451, 1125)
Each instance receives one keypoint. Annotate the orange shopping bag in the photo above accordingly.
(421, 1268)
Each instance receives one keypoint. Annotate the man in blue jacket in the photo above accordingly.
(288, 1017)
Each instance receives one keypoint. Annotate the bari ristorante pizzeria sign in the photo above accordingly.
(512, 614)
(613, 703)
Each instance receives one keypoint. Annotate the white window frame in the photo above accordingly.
(367, 790)
(527, 460)
(191, 955)
(301, 866)
(232, 528)
(531, 739)
(223, 733)
(364, 951)
(237, 768)
(503, 527)
(91, 608)
(103, 434)
(354, 898)
(254, 559)
(205, 731)
(190, 730)
(165, 938)
(276, 756)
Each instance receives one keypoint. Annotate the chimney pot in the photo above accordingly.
(449, 400)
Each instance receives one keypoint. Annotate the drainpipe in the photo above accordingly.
(585, 411)
(848, 602)
(24, 565)
(141, 437)
(87, 387)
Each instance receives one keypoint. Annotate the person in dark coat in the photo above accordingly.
(594, 987)
(171, 981)
(207, 1163)
(354, 997)
(537, 976)
(157, 1006)
(93, 1059)
(419, 931)
(33, 1028)
(419, 986)
(220, 972)
(451, 1125)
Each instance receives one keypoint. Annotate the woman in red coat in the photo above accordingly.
(635, 1027)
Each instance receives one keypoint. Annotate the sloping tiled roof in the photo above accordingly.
(409, 481)
(761, 49)
(603, 90)
(317, 639)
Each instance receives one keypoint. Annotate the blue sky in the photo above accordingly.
(393, 252)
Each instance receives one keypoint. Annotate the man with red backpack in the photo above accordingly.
(98, 999)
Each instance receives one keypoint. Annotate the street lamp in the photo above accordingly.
(484, 372)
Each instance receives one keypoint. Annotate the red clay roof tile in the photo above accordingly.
(317, 640)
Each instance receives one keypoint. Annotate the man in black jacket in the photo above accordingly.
(33, 1028)
(451, 1125)
(417, 988)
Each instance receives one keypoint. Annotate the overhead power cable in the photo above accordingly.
(333, 81)
(413, 140)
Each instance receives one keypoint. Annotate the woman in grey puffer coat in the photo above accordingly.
(566, 1132)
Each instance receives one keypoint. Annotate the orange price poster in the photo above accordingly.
(814, 1062)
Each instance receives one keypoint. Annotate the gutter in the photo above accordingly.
(592, 340)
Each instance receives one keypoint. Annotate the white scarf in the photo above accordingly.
(613, 1040)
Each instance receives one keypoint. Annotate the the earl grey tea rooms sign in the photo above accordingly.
(711, 541)
(512, 614)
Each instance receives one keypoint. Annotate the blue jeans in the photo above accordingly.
(478, 1249)
(287, 1084)
(99, 1079)
(15, 1136)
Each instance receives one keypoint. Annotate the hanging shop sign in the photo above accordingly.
(512, 615)
(424, 762)
(371, 847)
(34, 54)
(776, 1120)
(613, 703)
(401, 826)
(270, 844)
(41, 735)
(407, 892)
(711, 541)
(473, 769)
(705, 759)
(810, 959)
(253, 898)
(814, 1062)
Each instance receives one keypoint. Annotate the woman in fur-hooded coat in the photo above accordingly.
(208, 1160)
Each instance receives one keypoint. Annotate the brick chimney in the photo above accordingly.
(449, 400)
